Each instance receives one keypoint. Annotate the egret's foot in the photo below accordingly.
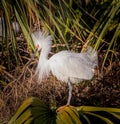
(62, 107)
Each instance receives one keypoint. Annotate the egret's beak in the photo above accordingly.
(36, 50)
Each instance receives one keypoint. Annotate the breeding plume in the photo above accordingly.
(67, 66)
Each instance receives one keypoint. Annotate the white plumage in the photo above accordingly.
(67, 66)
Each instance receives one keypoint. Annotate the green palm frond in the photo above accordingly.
(35, 111)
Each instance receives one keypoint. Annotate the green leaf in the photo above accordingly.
(68, 114)
(32, 101)
(115, 115)
(29, 120)
(90, 108)
(22, 118)
(100, 117)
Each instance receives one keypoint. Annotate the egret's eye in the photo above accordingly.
(37, 46)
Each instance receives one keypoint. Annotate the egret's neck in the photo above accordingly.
(44, 55)
(43, 65)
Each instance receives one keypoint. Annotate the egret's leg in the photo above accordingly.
(70, 92)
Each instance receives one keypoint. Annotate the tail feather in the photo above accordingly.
(92, 55)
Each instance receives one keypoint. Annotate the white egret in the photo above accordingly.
(67, 66)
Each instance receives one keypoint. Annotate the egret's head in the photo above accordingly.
(42, 41)
(35, 37)
(37, 47)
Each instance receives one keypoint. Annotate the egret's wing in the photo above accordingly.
(79, 67)
(71, 65)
